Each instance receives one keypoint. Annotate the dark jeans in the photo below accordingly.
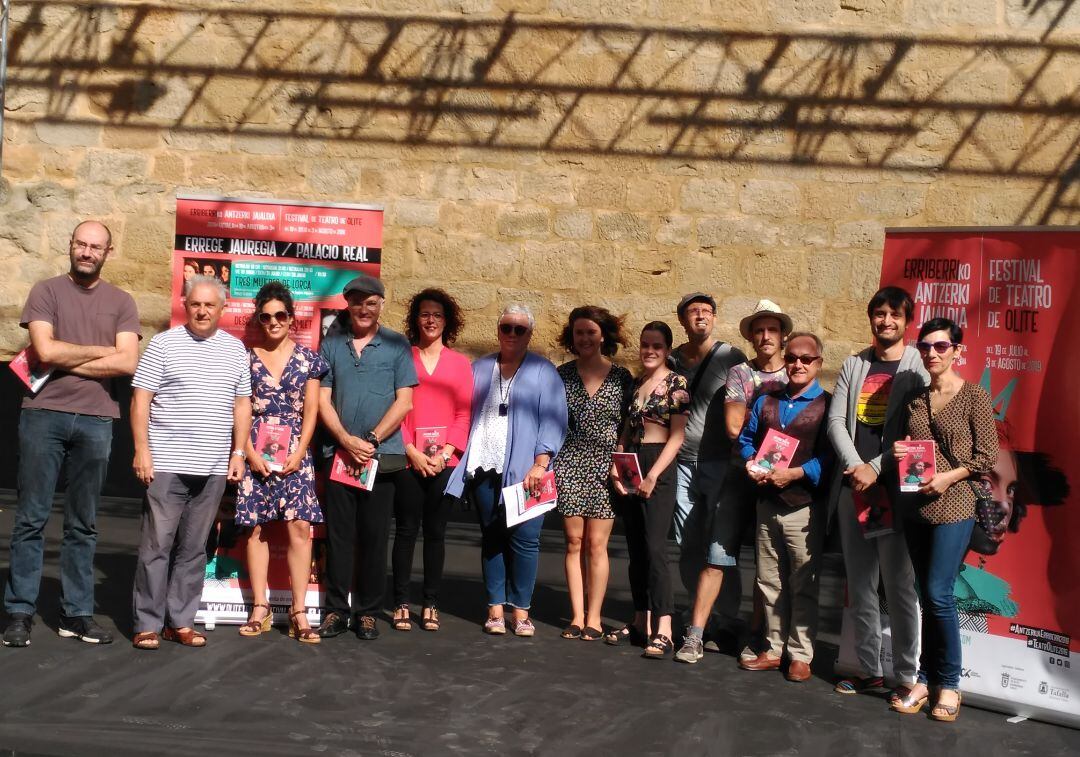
(936, 554)
(509, 555)
(647, 522)
(48, 440)
(419, 499)
(357, 532)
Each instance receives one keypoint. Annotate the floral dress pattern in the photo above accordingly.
(276, 497)
(583, 463)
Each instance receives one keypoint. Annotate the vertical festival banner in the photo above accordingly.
(315, 249)
(1016, 294)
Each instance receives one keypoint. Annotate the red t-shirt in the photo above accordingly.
(442, 399)
(84, 317)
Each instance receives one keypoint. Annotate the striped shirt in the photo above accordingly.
(195, 384)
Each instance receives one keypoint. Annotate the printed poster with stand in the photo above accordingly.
(313, 247)
(1016, 294)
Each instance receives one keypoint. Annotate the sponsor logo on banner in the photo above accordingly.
(969, 673)
(1043, 687)
(1059, 693)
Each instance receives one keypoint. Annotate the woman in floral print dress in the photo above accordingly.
(285, 390)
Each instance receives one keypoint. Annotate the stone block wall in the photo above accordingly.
(547, 151)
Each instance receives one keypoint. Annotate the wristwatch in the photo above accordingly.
(372, 438)
(447, 458)
(240, 453)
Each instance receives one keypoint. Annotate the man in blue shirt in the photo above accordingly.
(789, 523)
(362, 401)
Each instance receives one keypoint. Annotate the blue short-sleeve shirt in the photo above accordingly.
(363, 386)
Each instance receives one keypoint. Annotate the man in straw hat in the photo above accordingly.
(765, 328)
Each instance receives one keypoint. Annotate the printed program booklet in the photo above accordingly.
(777, 449)
(341, 470)
(272, 445)
(918, 465)
(30, 370)
(873, 511)
(431, 439)
(522, 506)
(629, 470)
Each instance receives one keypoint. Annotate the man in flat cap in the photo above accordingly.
(362, 401)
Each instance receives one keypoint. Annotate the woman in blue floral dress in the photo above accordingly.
(285, 391)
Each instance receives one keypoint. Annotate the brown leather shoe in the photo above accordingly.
(798, 671)
(763, 661)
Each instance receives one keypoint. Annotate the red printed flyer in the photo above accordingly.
(918, 465)
(777, 449)
(431, 440)
(629, 470)
(314, 248)
(33, 374)
(342, 468)
(272, 444)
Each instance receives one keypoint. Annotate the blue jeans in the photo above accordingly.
(509, 556)
(936, 553)
(49, 440)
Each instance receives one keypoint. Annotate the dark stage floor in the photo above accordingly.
(435, 693)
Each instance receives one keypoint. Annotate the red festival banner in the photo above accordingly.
(315, 249)
(1016, 294)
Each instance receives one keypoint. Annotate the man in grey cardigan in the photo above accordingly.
(864, 421)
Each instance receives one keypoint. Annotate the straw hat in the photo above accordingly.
(765, 308)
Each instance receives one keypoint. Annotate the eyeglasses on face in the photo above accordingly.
(79, 244)
(515, 329)
(939, 347)
(698, 312)
(803, 359)
(280, 316)
(425, 316)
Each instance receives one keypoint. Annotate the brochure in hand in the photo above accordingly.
(272, 445)
(522, 506)
(629, 470)
(918, 465)
(777, 449)
(344, 471)
(431, 440)
(30, 370)
(874, 512)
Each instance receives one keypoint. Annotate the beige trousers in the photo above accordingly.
(789, 542)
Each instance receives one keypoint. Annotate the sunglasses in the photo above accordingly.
(516, 330)
(939, 347)
(803, 359)
(280, 316)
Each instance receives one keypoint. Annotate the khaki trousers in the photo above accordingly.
(789, 543)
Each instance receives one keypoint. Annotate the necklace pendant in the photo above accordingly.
(504, 408)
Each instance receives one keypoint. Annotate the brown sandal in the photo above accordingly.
(431, 621)
(303, 635)
(146, 640)
(187, 637)
(258, 627)
(402, 623)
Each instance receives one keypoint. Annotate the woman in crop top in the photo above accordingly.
(654, 430)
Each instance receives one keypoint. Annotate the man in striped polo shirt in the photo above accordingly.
(191, 405)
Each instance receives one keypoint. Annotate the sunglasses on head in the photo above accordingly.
(510, 328)
(280, 316)
(804, 359)
(939, 347)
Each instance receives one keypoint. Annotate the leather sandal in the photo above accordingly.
(910, 705)
(628, 634)
(402, 621)
(187, 637)
(303, 635)
(430, 619)
(146, 640)
(658, 647)
(946, 713)
(588, 633)
(572, 631)
(258, 627)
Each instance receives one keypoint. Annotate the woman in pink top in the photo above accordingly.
(435, 433)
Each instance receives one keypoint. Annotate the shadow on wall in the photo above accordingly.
(983, 106)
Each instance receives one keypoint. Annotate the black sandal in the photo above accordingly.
(658, 647)
(588, 633)
(628, 634)
(571, 632)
